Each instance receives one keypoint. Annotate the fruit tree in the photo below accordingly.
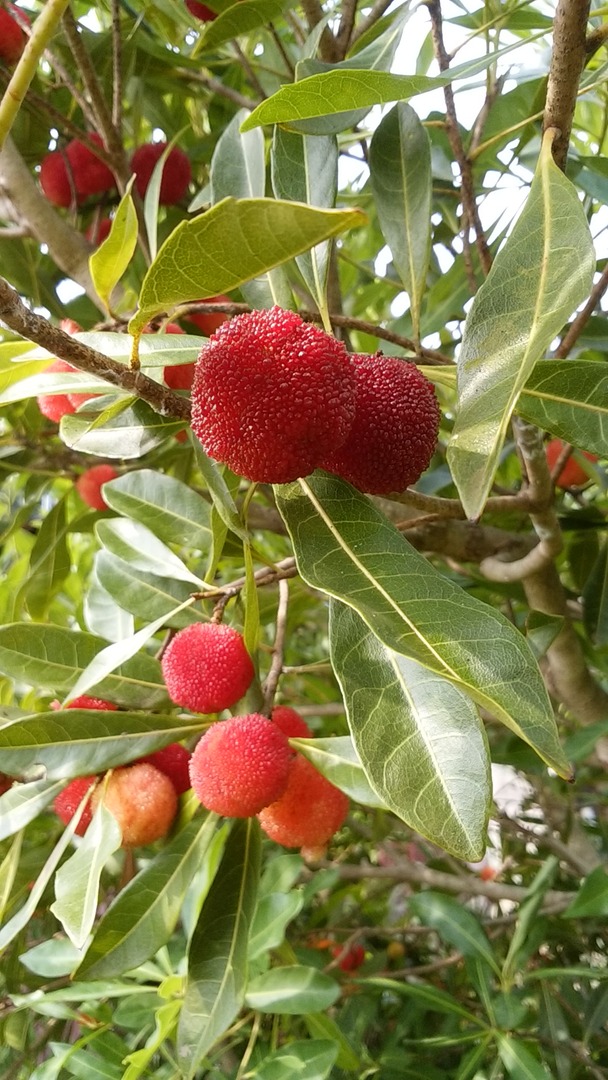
(304, 587)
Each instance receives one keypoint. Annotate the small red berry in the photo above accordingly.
(310, 811)
(394, 433)
(142, 799)
(207, 668)
(210, 321)
(89, 485)
(173, 761)
(12, 38)
(75, 171)
(84, 702)
(98, 231)
(290, 722)
(68, 801)
(241, 765)
(177, 173)
(272, 395)
(572, 474)
(54, 406)
(350, 958)
(200, 11)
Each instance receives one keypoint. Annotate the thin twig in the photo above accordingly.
(276, 667)
(377, 11)
(217, 87)
(578, 324)
(117, 89)
(247, 68)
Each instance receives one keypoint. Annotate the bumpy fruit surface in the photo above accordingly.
(54, 406)
(207, 668)
(241, 765)
(89, 485)
(173, 761)
(272, 395)
(310, 811)
(210, 321)
(393, 436)
(176, 171)
(142, 799)
(68, 801)
(290, 722)
(75, 171)
(200, 11)
(572, 474)
(12, 37)
(85, 702)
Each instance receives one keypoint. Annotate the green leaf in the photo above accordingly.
(138, 546)
(50, 562)
(540, 275)
(129, 434)
(591, 901)
(431, 997)
(53, 658)
(436, 777)
(569, 398)
(23, 802)
(348, 549)
(517, 954)
(171, 509)
(217, 958)
(165, 1020)
(250, 236)
(109, 262)
(76, 742)
(219, 491)
(52, 958)
(77, 880)
(8, 872)
(292, 990)
(312, 1059)
(455, 925)
(144, 915)
(147, 596)
(273, 913)
(337, 758)
(54, 382)
(322, 1026)
(249, 15)
(103, 616)
(519, 1062)
(400, 174)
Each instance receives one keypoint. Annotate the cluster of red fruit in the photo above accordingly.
(274, 398)
(12, 36)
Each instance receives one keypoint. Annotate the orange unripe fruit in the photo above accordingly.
(54, 406)
(142, 799)
(241, 765)
(68, 801)
(572, 474)
(177, 173)
(89, 485)
(310, 811)
(207, 668)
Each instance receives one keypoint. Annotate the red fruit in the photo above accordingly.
(173, 328)
(207, 668)
(54, 406)
(200, 11)
(68, 801)
(272, 395)
(84, 702)
(143, 801)
(394, 433)
(210, 321)
(90, 483)
(12, 37)
(572, 474)
(488, 873)
(179, 376)
(177, 173)
(310, 811)
(70, 327)
(241, 765)
(350, 958)
(75, 171)
(98, 231)
(290, 722)
(173, 761)
(6, 783)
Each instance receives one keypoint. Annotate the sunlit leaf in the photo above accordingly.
(77, 880)
(292, 990)
(109, 262)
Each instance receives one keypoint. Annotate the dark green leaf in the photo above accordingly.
(49, 562)
(455, 925)
(591, 901)
(570, 399)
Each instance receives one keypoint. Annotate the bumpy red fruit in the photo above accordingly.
(173, 761)
(68, 801)
(12, 37)
(207, 668)
(54, 406)
(310, 811)
(176, 171)
(290, 722)
(210, 321)
(75, 171)
(142, 799)
(272, 395)
(394, 433)
(572, 474)
(241, 765)
(85, 702)
(89, 485)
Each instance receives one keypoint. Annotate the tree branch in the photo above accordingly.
(567, 62)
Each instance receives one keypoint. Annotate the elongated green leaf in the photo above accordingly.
(23, 802)
(219, 491)
(518, 951)
(129, 434)
(155, 350)
(217, 958)
(273, 913)
(171, 509)
(518, 1061)
(591, 901)
(455, 925)
(147, 596)
(540, 275)
(570, 399)
(52, 958)
(137, 545)
(77, 880)
(249, 15)
(310, 1060)
(109, 262)
(55, 382)
(104, 617)
(143, 916)
(75, 742)
(165, 1021)
(400, 173)
(338, 760)
(49, 562)
(53, 658)
(8, 872)
(437, 774)
(348, 549)
(323, 1026)
(249, 237)
(431, 997)
(292, 990)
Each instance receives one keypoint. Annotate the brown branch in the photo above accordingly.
(377, 11)
(327, 46)
(217, 87)
(567, 62)
(25, 322)
(117, 81)
(345, 29)
(596, 39)
(578, 324)
(276, 667)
